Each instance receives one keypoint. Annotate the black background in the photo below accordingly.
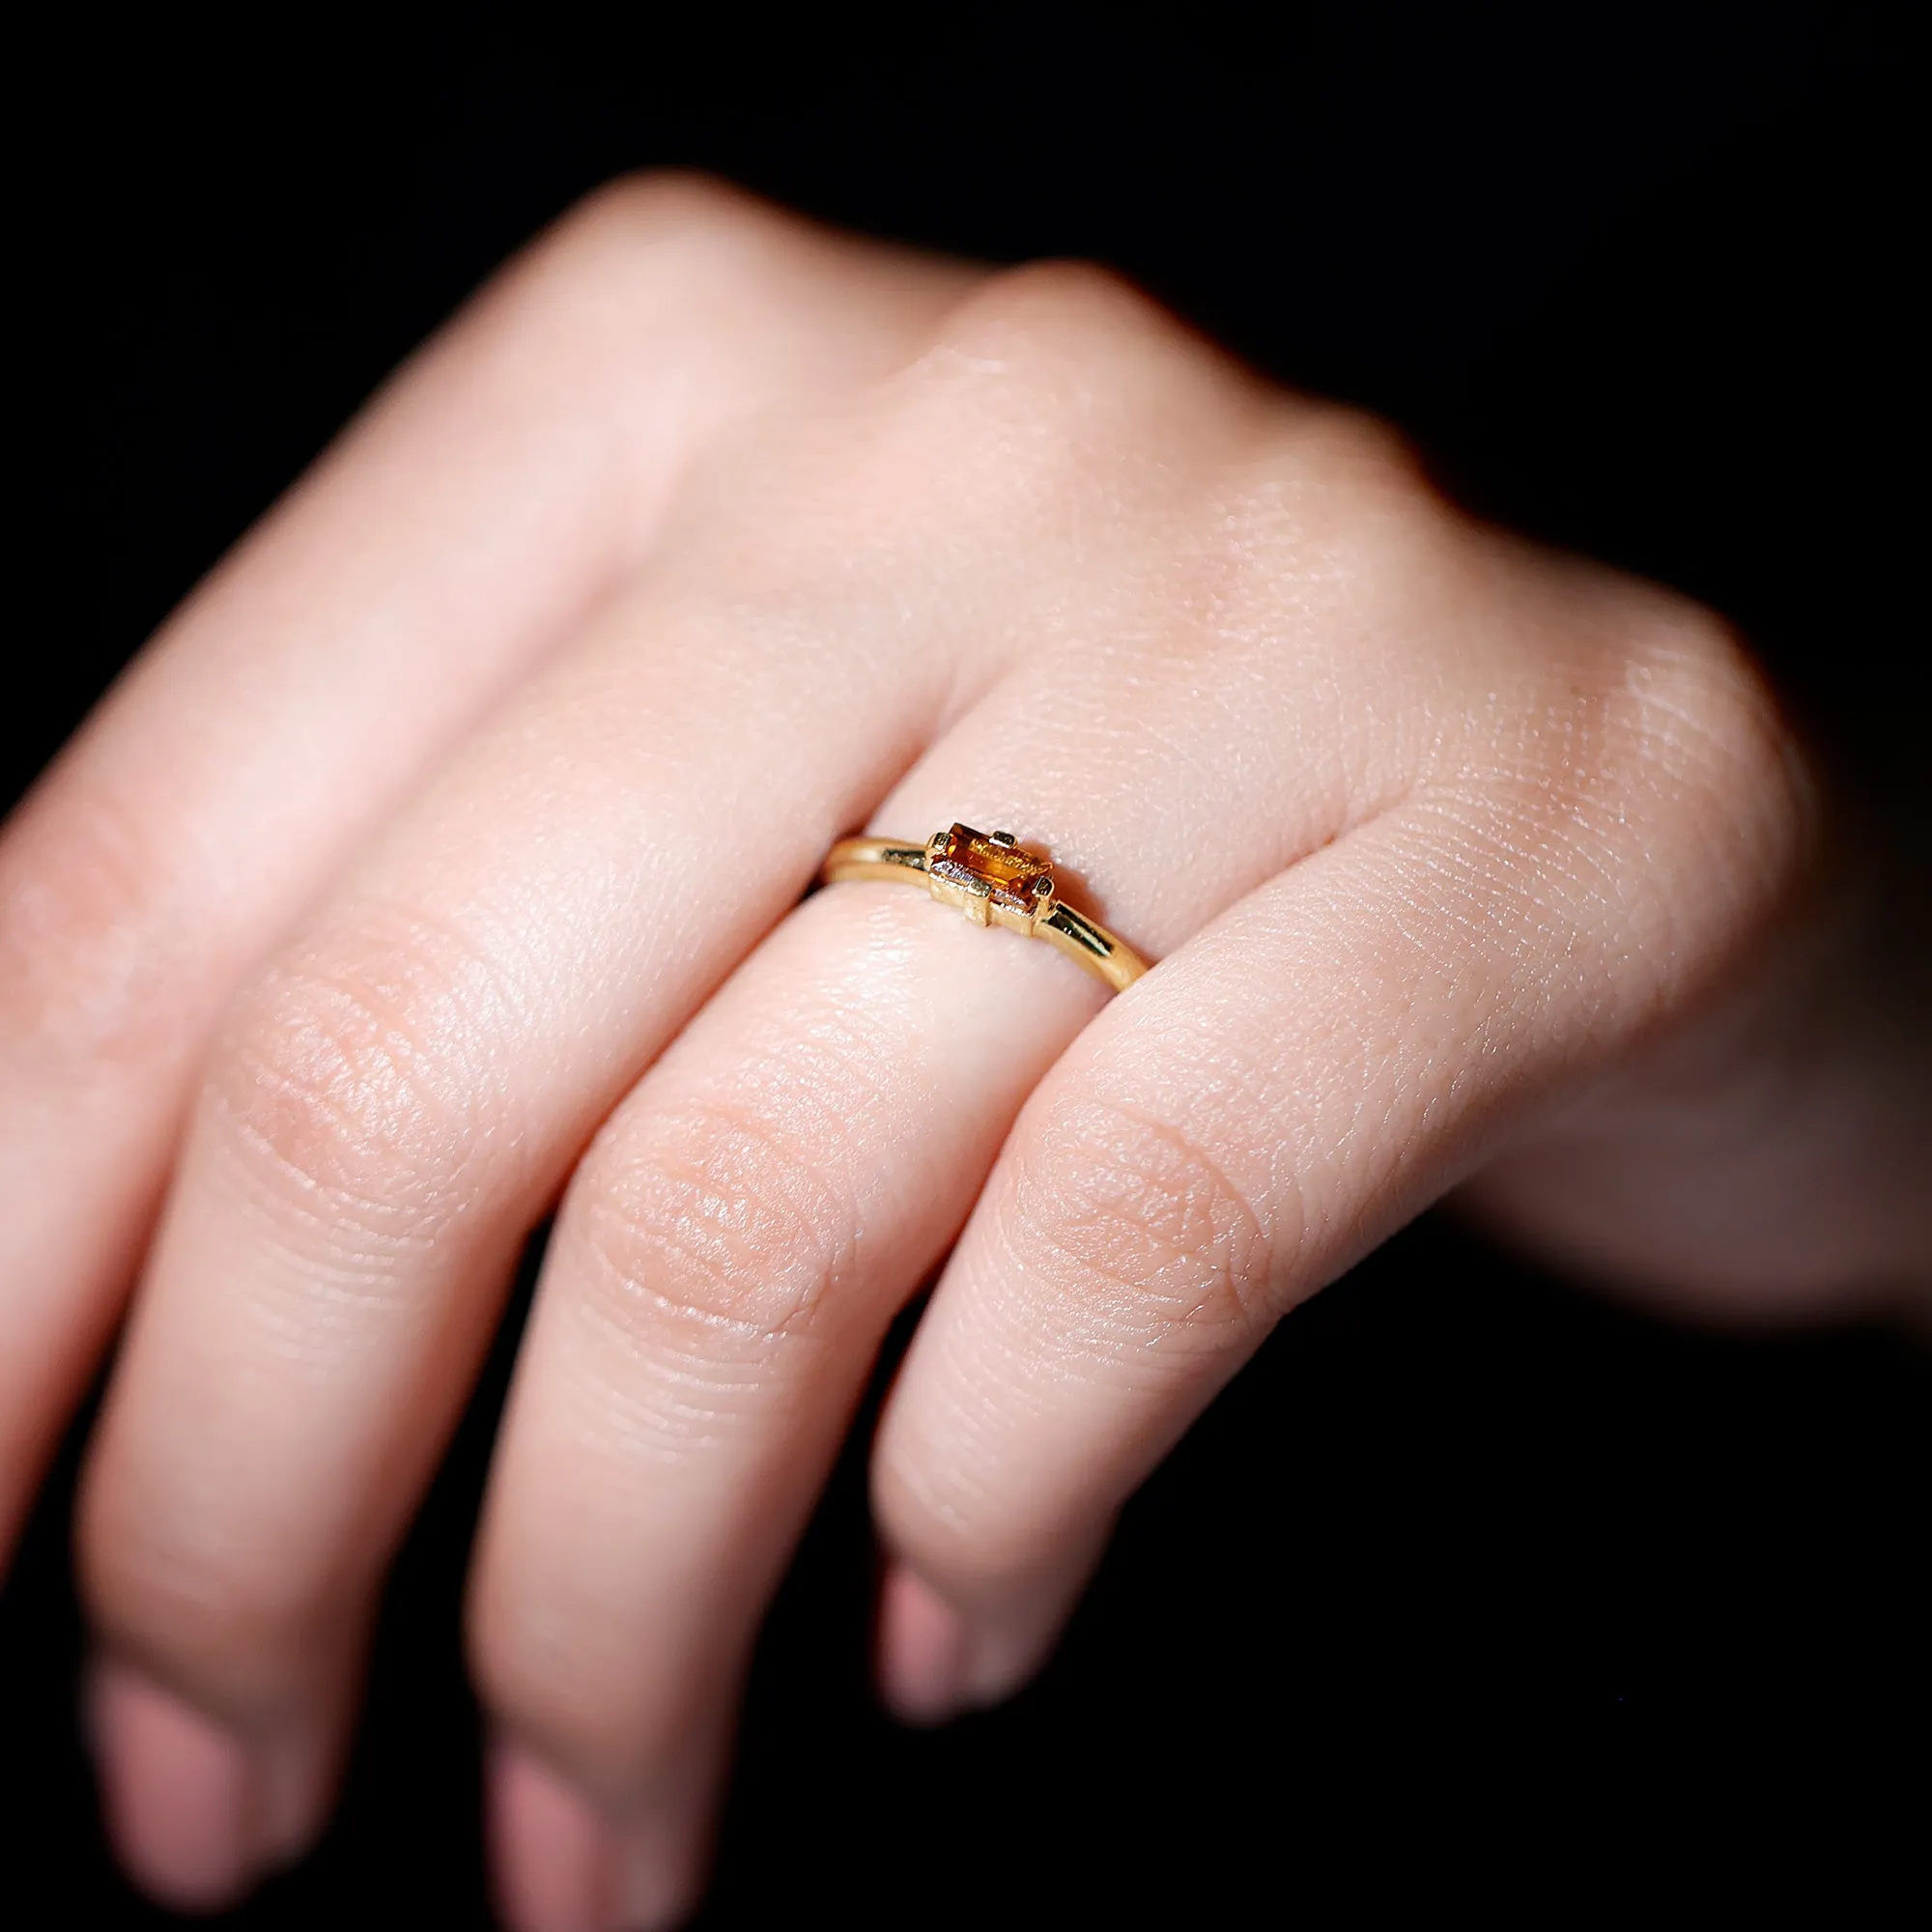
(1473, 1590)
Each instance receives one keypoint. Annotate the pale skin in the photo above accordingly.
(440, 863)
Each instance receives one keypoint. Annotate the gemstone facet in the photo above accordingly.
(989, 879)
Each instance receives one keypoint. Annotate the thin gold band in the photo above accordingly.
(993, 883)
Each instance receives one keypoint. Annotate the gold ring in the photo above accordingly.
(993, 883)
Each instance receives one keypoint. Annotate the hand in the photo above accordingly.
(442, 861)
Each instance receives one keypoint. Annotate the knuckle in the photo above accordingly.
(1081, 348)
(1060, 308)
(1709, 739)
(1370, 469)
(569, 1675)
(235, 1625)
(715, 1223)
(359, 1072)
(1075, 388)
(680, 261)
(1639, 806)
(647, 270)
(93, 962)
(1669, 772)
(936, 1510)
(1136, 1219)
(1080, 340)
(668, 309)
(1341, 503)
(692, 219)
(1057, 401)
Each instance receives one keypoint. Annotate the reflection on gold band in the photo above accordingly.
(993, 882)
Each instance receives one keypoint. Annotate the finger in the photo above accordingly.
(718, 1284)
(396, 1099)
(1314, 1068)
(402, 1092)
(481, 507)
(743, 1229)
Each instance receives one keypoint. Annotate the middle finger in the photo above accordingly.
(391, 1107)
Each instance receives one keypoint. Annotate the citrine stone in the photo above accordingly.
(993, 868)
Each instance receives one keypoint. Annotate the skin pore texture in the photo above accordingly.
(442, 861)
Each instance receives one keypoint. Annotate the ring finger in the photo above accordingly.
(741, 1234)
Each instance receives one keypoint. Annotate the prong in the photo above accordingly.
(1004, 838)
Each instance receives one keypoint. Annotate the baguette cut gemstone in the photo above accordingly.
(990, 868)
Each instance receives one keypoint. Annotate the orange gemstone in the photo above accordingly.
(1010, 878)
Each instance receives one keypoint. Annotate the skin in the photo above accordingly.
(440, 863)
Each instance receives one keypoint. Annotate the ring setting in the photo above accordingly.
(994, 881)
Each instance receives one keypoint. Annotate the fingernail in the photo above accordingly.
(555, 1859)
(923, 1651)
(181, 1794)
